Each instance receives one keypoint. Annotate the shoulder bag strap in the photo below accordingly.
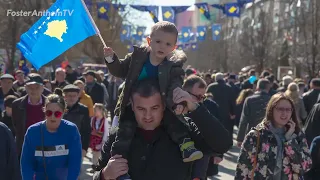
(256, 156)
(42, 148)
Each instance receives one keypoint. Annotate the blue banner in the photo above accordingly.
(194, 46)
(232, 9)
(204, 9)
(125, 33)
(216, 31)
(153, 11)
(103, 9)
(186, 34)
(168, 14)
(201, 33)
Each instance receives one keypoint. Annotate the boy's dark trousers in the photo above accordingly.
(127, 128)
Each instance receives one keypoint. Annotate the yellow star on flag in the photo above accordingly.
(21, 62)
(216, 32)
(193, 46)
(124, 31)
(167, 14)
(186, 34)
(139, 33)
(201, 33)
(102, 10)
(232, 9)
(128, 46)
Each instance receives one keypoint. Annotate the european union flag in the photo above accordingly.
(201, 33)
(119, 7)
(103, 9)
(204, 9)
(232, 9)
(65, 24)
(216, 30)
(125, 33)
(153, 11)
(186, 33)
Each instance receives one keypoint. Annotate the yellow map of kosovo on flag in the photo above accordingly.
(56, 29)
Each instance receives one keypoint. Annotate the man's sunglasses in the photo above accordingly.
(56, 114)
(199, 97)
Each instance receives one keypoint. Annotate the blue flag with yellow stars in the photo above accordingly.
(216, 31)
(169, 12)
(125, 33)
(180, 47)
(153, 11)
(103, 9)
(65, 24)
(204, 9)
(201, 33)
(194, 46)
(232, 9)
(186, 33)
(119, 7)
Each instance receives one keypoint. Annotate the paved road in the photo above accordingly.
(226, 169)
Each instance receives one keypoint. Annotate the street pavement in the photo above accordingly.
(226, 169)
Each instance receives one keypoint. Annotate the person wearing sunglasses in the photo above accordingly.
(52, 148)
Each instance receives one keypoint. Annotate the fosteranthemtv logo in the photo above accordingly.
(65, 12)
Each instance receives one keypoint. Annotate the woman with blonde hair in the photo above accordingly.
(276, 148)
(293, 92)
(240, 101)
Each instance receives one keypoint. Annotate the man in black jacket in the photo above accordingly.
(9, 164)
(310, 98)
(94, 89)
(78, 114)
(153, 154)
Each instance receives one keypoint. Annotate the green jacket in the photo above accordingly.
(170, 75)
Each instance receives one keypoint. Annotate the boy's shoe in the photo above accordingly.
(124, 177)
(189, 152)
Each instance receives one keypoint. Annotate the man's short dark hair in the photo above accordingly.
(146, 87)
(263, 84)
(164, 26)
(315, 82)
(192, 80)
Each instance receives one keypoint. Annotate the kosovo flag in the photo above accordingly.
(216, 30)
(56, 31)
(186, 33)
(201, 33)
(153, 11)
(103, 9)
(169, 12)
(140, 32)
(194, 46)
(125, 33)
(232, 9)
(204, 9)
(180, 47)
(119, 7)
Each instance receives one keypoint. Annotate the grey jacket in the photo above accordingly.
(254, 110)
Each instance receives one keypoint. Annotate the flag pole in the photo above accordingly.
(94, 24)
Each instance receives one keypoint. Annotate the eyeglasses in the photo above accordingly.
(282, 109)
(198, 97)
(56, 114)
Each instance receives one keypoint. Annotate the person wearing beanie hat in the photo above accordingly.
(6, 114)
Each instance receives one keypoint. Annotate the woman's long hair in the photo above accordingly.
(293, 92)
(275, 99)
(243, 95)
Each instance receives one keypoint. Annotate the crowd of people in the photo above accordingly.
(150, 119)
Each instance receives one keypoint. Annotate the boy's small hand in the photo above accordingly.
(108, 52)
(179, 109)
